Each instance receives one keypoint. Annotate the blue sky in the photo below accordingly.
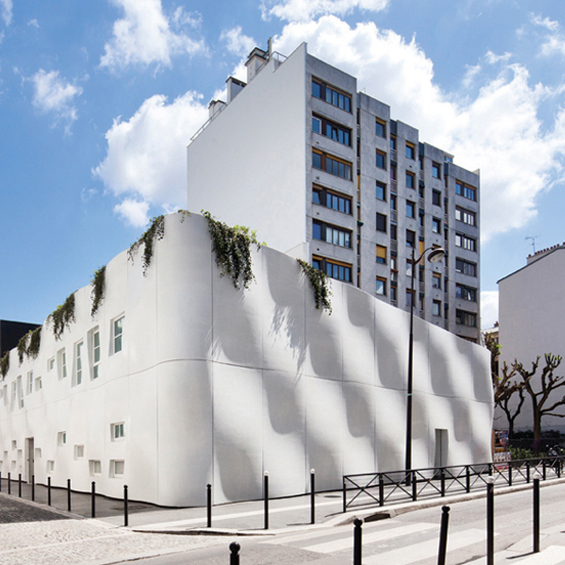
(99, 99)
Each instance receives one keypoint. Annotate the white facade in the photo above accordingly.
(217, 385)
(532, 323)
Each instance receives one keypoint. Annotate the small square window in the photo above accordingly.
(79, 451)
(381, 286)
(95, 467)
(116, 467)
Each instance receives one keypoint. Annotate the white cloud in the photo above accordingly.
(497, 130)
(303, 10)
(492, 58)
(237, 42)
(6, 6)
(133, 212)
(553, 45)
(33, 23)
(146, 156)
(489, 308)
(551, 25)
(144, 36)
(53, 95)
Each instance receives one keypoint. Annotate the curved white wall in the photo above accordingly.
(217, 385)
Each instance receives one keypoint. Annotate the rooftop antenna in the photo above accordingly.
(533, 238)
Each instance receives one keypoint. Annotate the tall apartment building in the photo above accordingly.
(322, 172)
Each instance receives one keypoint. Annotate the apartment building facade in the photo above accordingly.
(323, 172)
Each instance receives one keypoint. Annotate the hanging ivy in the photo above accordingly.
(155, 231)
(63, 316)
(5, 364)
(29, 344)
(184, 214)
(98, 284)
(22, 347)
(232, 246)
(319, 281)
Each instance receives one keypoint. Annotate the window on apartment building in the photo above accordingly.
(393, 231)
(410, 209)
(117, 431)
(465, 242)
(61, 438)
(408, 298)
(436, 171)
(79, 451)
(332, 130)
(464, 318)
(50, 364)
(465, 267)
(331, 95)
(118, 334)
(381, 159)
(410, 180)
(331, 199)
(20, 392)
(79, 347)
(381, 286)
(465, 216)
(436, 225)
(410, 150)
(408, 268)
(421, 162)
(38, 384)
(94, 336)
(466, 292)
(381, 222)
(331, 234)
(393, 172)
(381, 254)
(116, 467)
(50, 466)
(465, 190)
(393, 292)
(62, 363)
(436, 197)
(29, 383)
(436, 308)
(436, 280)
(410, 238)
(380, 127)
(393, 142)
(330, 164)
(334, 269)
(381, 191)
(393, 201)
(95, 467)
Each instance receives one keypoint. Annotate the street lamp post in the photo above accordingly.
(437, 254)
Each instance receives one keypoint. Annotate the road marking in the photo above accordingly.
(552, 555)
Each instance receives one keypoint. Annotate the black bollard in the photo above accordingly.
(20, 485)
(442, 478)
(443, 535)
(312, 496)
(357, 541)
(490, 523)
(234, 553)
(49, 491)
(266, 495)
(33, 487)
(9, 483)
(381, 491)
(126, 517)
(69, 495)
(536, 516)
(93, 501)
(414, 486)
(0, 481)
(209, 505)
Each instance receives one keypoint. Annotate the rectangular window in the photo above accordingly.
(410, 150)
(78, 362)
(331, 234)
(465, 216)
(436, 308)
(38, 384)
(381, 222)
(79, 451)
(116, 468)
(408, 298)
(29, 384)
(61, 438)
(393, 231)
(465, 190)
(465, 242)
(331, 95)
(393, 201)
(62, 363)
(393, 176)
(330, 199)
(410, 180)
(331, 130)
(410, 209)
(330, 164)
(381, 160)
(20, 392)
(381, 191)
(50, 466)
(436, 171)
(410, 238)
(95, 353)
(393, 142)
(117, 431)
(95, 467)
(380, 128)
(381, 286)
(464, 318)
(436, 280)
(334, 269)
(51, 364)
(436, 225)
(381, 254)
(118, 333)
(436, 197)
(466, 292)
(465, 267)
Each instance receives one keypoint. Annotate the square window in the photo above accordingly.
(116, 468)
(79, 451)
(95, 467)
(118, 332)
(381, 286)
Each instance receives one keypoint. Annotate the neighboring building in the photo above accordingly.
(11, 333)
(322, 172)
(532, 321)
(180, 380)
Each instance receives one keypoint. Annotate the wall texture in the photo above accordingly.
(218, 385)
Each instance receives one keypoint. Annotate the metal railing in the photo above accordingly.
(378, 489)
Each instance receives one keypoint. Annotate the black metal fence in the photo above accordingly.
(378, 489)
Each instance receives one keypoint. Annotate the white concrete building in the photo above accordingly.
(180, 380)
(532, 321)
(323, 172)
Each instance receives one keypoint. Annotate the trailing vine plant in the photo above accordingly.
(98, 284)
(155, 231)
(319, 282)
(63, 316)
(232, 246)
(22, 347)
(5, 364)
(29, 344)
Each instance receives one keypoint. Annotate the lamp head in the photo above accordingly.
(436, 255)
